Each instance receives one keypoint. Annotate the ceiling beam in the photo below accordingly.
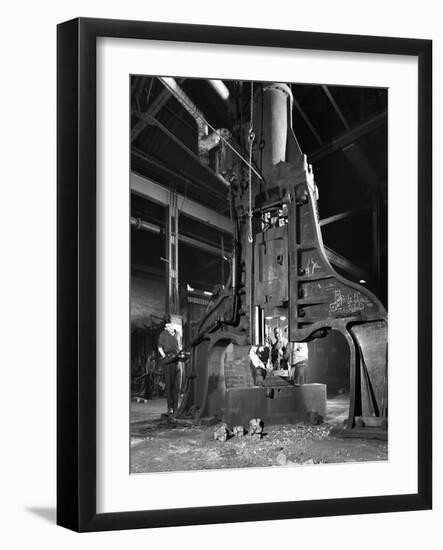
(349, 137)
(153, 191)
(160, 194)
(140, 224)
(346, 265)
(336, 107)
(144, 118)
(342, 215)
(185, 177)
(360, 162)
(306, 119)
(353, 152)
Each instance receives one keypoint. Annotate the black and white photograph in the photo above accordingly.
(259, 278)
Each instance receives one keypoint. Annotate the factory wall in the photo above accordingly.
(147, 299)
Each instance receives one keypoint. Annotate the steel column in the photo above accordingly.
(171, 259)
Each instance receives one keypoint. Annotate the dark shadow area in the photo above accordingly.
(46, 513)
(329, 363)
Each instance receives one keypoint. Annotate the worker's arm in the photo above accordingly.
(256, 361)
(160, 344)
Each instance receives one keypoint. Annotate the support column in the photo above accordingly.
(172, 305)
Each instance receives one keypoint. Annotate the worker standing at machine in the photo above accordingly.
(260, 357)
(278, 350)
(168, 348)
(298, 355)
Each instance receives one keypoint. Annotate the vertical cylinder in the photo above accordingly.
(271, 124)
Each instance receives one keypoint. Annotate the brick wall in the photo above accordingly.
(237, 367)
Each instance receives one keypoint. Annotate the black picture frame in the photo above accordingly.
(76, 280)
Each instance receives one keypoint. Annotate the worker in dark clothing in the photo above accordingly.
(168, 348)
(261, 362)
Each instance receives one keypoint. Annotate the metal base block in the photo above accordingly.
(283, 405)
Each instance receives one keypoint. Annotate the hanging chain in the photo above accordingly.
(251, 138)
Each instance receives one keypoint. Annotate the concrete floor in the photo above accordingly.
(160, 445)
(152, 409)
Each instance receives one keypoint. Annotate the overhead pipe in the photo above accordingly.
(206, 141)
(187, 103)
(202, 125)
(220, 87)
(139, 224)
(209, 143)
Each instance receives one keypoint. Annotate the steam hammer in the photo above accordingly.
(284, 272)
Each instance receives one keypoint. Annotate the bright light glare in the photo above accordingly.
(220, 87)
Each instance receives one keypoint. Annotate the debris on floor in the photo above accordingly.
(222, 433)
(161, 444)
(238, 431)
(255, 431)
